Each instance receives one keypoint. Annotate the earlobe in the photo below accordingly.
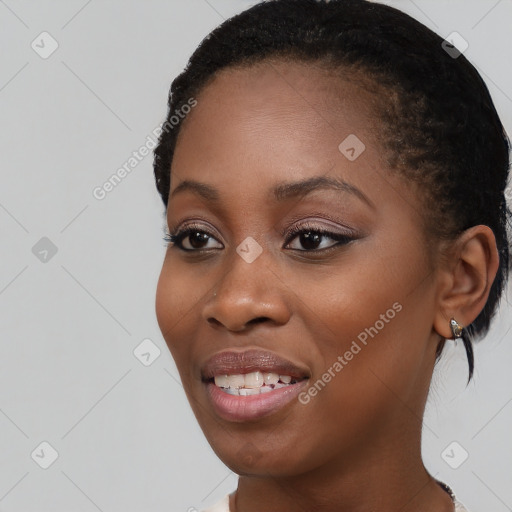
(456, 328)
(470, 270)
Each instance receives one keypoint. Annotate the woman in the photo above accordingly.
(333, 175)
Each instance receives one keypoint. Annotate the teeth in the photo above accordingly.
(252, 383)
(247, 391)
(222, 381)
(236, 381)
(230, 391)
(270, 378)
(253, 380)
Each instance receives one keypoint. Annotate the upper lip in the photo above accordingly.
(231, 362)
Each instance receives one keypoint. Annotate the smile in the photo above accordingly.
(251, 384)
(254, 383)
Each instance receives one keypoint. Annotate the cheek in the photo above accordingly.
(166, 302)
(181, 294)
(174, 305)
(343, 302)
(373, 315)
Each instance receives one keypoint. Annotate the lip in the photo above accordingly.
(253, 407)
(241, 362)
(250, 408)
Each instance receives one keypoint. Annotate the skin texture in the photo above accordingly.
(356, 445)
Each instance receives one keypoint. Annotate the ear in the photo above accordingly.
(466, 275)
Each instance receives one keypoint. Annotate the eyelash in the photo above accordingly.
(177, 237)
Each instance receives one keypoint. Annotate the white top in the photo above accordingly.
(459, 507)
(220, 506)
(223, 506)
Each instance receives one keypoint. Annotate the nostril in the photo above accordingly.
(213, 321)
(258, 320)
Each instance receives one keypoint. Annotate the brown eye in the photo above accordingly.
(313, 239)
(192, 239)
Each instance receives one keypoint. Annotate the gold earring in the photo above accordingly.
(456, 328)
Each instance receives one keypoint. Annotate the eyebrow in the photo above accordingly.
(282, 191)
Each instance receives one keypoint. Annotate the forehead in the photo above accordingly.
(282, 92)
(275, 121)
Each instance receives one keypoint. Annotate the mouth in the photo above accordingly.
(248, 385)
(253, 383)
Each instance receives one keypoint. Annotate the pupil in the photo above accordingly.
(197, 238)
(310, 241)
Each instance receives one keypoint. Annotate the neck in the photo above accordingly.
(387, 476)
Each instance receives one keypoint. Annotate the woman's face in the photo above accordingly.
(349, 312)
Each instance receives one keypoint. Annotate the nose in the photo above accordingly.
(247, 294)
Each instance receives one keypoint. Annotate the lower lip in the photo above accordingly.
(246, 408)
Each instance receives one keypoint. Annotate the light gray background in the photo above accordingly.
(125, 436)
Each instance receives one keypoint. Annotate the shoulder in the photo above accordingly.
(459, 507)
(223, 506)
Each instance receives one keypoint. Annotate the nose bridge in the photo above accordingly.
(247, 268)
(247, 289)
(249, 259)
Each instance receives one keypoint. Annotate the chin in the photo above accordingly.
(246, 456)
